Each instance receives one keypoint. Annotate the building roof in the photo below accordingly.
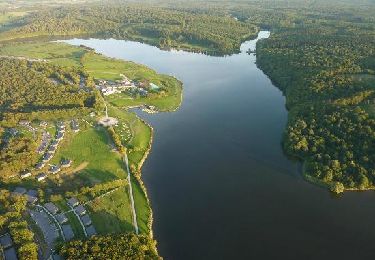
(6, 241)
(39, 166)
(20, 190)
(86, 220)
(51, 207)
(33, 193)
(41, 176)
(68, 232)
(31, 199)
(90, 230)
(25, 174)
(80, 210)
(10, 254)
(66, 162)
(61, 218)
(73, 201)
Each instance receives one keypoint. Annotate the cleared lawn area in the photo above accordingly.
(142, 207)
(91, 148)
(57, 53)
(112, 213)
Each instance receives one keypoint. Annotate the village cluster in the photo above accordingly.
(132, 87)
(51, 220)
(48, 148)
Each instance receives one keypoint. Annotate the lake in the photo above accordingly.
(219, 183)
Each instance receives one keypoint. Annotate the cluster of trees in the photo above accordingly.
(122, 246)
(11, 209)
(16, 154)
(98, 189)
(323, 61)
(27, 87)
(116, 140)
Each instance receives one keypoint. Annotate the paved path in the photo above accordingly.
(135, 224)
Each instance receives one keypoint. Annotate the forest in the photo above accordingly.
(124, 246)
(158, 26)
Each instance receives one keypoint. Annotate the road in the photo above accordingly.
(135, 224)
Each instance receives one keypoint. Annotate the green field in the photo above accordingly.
(112, 213)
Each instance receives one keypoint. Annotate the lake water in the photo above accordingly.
(219, 183)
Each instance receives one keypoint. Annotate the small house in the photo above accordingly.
(75, 126)
(59, 136)
(51, 208)
(41, 177)
(39, 166)
(65, 163)
(90, 230)
(54, 169)
(73, 202)
(25, 174)
(86, 220)
(20, 190)
(61, 218)
(80, 210)
(6, 241)
(68, 232)
(47, 157)
(31, 199)
(10, 254)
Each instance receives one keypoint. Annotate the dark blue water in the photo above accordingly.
(219, 183)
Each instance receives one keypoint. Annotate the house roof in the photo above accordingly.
(6, 241)
(90, 230)
(61, 218)
(80, 210)
(68, 232)
(20, 190)
(86, 220)
(51, 207)
(33, 193)
(31, 199)
(73, 201)
(10, 254)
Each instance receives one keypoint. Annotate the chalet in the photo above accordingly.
(66, 163)
(68, 232)
(47, 157)
(52, 149)
(41, 177)
(90, 230)
(73, 202)
(20, 191)
(32, 196)
(51, 208)
(75, 126)
(43, 124)
(86, 220)
(80, 210)
(54, 169)
(10, 254)
(59, 136)
(24, 123)
(39, 166)
(6, 241)
(61, 218)
(25, 174)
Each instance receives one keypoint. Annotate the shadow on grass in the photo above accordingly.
(108, 223)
